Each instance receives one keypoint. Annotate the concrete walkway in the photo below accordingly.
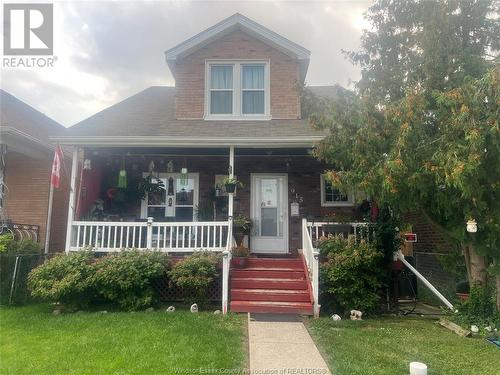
(282, 345)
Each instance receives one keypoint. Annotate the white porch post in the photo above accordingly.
(71, 204)
(227, 254)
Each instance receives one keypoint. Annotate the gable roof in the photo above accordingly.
(239, 22)
(148, 118)
(21, 121)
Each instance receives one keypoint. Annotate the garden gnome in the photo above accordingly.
(356, 315)
(194, 308)
(170, 309)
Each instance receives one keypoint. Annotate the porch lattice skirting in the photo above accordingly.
(169, 292)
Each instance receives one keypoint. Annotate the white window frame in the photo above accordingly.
(166, 176)
(238, 90)
(324, 203)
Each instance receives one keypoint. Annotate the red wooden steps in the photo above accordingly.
(270, 295)
(304, 308)
(271, 285)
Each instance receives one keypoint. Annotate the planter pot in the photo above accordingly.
(240, 262)
(239, 236)
(463, 296)
(230, 188)
(397, 265)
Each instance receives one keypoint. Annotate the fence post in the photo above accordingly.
(14, 279)
(149, 233)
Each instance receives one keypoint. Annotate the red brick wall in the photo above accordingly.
(27, 200)
(429, 240)
(190, 75)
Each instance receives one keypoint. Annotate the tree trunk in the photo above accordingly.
(477, 266)
(497, 278)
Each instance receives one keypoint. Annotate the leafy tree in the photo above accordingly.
(433, 45)
(422, 132)
(443, 163)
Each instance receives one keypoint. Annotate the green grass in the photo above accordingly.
(33, 341)
(387, 346)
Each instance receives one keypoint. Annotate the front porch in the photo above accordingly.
(281, 193)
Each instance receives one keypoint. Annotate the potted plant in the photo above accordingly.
(150, 184)
(240, 256)
(241, 227)
(230, 184)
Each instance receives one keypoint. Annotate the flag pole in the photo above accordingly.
(49, 219)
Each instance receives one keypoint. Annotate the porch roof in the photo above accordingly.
(148, 118)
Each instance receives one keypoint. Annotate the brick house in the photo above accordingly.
(26, 160)
(234, 111)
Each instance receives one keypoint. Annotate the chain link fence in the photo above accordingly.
(14, 270)
(433, 267)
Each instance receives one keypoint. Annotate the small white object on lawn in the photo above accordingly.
(356, 315)
(336, 317)
(194, 308)
(170, 309)
(418, 368)
(474, 328)
(217, 312)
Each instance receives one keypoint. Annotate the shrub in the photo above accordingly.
(194, 274)
(65, 278)
(479, 309)
(351, 273)
(8, 245)
(126, 278)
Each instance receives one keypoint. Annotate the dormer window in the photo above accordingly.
(221, 90)
(237, 90)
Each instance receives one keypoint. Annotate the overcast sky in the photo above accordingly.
(107, 51)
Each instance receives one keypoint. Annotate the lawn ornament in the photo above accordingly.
(356, 315)
(194, 308)
(170, 309)
(336, 317)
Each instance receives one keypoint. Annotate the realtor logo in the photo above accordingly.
(28, 29)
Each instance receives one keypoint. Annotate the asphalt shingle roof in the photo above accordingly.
(150, 113)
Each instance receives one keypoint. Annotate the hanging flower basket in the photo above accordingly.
(230, 184)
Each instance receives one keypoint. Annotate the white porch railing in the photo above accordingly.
(162, 236)
(311, 256)
(360, 230)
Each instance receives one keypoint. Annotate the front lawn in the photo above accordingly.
(387, 346)
(33, 341)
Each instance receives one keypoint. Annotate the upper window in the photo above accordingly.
(332, 196)
(237, 90)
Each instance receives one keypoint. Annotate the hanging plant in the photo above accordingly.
(150, 184)
(230, 184)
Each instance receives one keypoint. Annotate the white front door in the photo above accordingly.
(269, 212)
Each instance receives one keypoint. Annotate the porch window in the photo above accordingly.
(176, 203)
(237, 90)
(331, 196)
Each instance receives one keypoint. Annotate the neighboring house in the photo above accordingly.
(234, 110)
(25, 167)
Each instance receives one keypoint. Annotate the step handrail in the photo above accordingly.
(311, 257)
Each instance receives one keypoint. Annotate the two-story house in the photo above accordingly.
(234, 111)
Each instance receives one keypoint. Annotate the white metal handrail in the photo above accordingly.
(360, 230)
(108, 236)
(311, 256)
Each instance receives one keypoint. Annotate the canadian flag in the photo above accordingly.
(55, 177)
